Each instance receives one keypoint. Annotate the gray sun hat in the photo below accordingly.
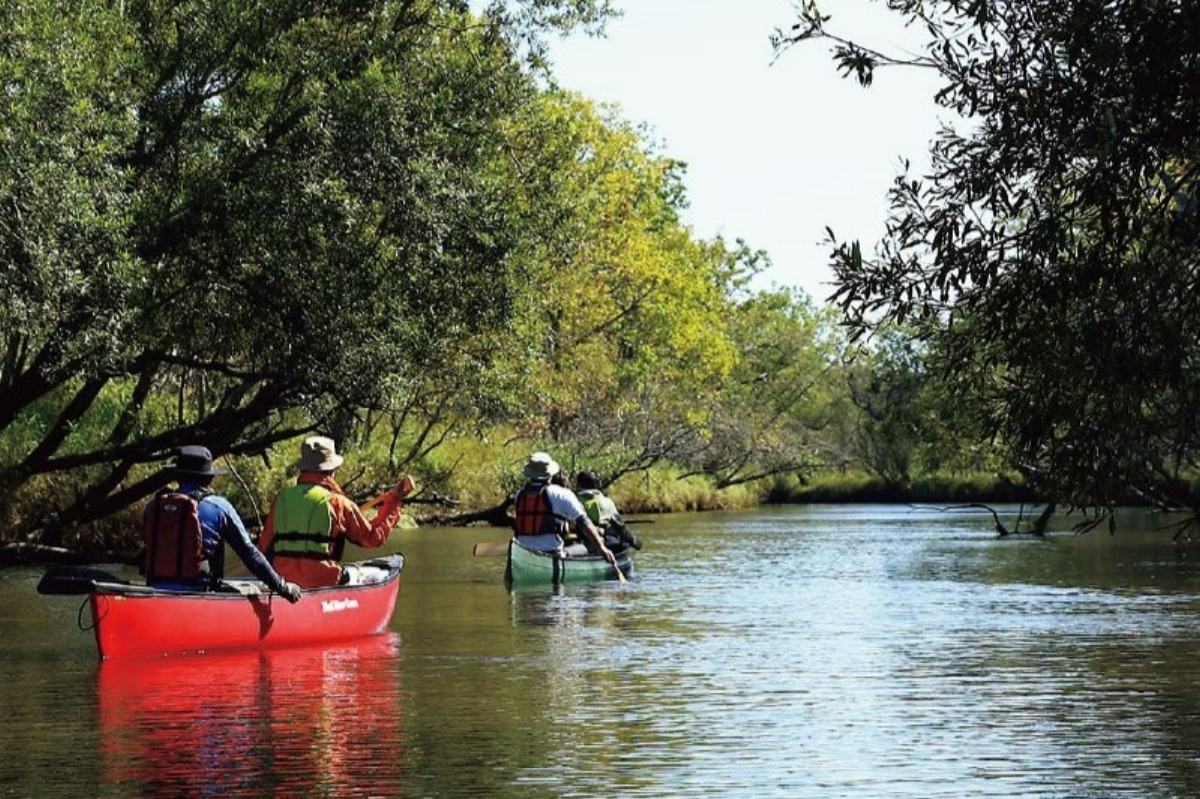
(540, 466)
(318, 454)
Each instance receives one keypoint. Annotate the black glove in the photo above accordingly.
(291, 592)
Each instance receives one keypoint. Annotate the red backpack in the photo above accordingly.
(173, 538)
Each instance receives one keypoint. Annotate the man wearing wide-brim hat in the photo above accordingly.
(170, 522)
(547, 513)
(310, 522)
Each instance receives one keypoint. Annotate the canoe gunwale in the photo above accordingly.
(241, 588)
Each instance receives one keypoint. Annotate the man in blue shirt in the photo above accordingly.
(186, 529)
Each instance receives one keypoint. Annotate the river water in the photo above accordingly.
(836, 651)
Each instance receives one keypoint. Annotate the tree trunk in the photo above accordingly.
(496, 516)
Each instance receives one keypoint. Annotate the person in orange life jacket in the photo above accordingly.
(547, 513)
(185, 543)
(311, 521)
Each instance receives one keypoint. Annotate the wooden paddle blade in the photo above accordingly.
(376, 500)
(490, 549)
(403, 488)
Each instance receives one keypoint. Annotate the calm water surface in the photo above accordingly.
(799, 652)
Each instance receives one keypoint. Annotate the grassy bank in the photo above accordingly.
(935, 488)
(480, 472)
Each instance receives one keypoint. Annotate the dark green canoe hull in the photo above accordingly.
(527, 567)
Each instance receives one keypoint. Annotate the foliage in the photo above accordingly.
(886, 385)
(237, 223)
(624, 318)
(931, 487)
(1050, 256)
(250, 208)
(770, 415)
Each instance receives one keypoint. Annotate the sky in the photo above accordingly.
(777, 148)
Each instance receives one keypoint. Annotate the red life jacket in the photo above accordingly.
(535, 515)
(173, 538)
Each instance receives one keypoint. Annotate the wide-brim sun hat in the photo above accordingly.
(195, 461)
(540, 466)
(318, 454)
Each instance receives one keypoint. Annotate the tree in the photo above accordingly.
(885, 385)
(771, 415)
(234, 222)
(1051, 254)
(624, 318)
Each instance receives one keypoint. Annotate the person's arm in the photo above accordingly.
(233, 532)
(370, 533)
(584, 526)
(570, 507)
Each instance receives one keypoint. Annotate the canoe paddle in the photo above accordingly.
(406, 485)
(490, 549)
(611, 558)
(617, 569)
(75, 580)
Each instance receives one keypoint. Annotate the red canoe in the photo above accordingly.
(134, 620)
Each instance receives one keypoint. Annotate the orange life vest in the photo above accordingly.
(535, 515)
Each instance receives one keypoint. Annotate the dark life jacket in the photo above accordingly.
(173, 537)
(535, 515)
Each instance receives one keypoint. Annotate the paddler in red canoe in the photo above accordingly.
(310, 522)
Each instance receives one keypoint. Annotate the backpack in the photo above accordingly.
(173, 537)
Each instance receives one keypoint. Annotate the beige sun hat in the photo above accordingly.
(540, 466)
(318, 454)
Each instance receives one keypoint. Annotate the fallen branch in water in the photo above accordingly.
(435, 499)
(495, 516)
(16, 554)
(1039, 525)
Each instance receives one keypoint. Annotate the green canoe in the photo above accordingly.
(532, 567)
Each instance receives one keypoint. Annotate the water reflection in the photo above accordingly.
(852, 652)
(288, 723)
(561, 606)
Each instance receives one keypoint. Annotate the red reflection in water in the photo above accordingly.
(289, 723)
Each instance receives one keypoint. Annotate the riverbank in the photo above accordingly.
(853, 488)
(660, 490)
(664, 490)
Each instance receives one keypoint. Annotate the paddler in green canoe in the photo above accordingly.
(547, 513)
(603, 513)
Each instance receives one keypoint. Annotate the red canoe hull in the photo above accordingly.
(132, 623)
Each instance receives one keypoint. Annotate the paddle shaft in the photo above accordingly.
(617, 569)
(376, 500)
(406, 484)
